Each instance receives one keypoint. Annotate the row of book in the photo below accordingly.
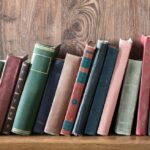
(78, 95)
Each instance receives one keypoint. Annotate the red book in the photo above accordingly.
(144, 96)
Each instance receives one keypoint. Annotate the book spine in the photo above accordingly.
(101, 92)
(48, 96)
(144, 96)
(128, 98)
(90, 88)
(61, 100)
(1, 67)
(33, 89)
(15, 99)
(7, 84)
(78, 90)
(114, 88)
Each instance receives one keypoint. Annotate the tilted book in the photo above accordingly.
(114, 88)
(128, 98)
(49, 93)
(1, 67)
(33, 89)
(88, 95)
(61, 100)
(101, 92)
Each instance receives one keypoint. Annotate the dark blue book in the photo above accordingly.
(88, 96)
(101, 92)
(48, 96)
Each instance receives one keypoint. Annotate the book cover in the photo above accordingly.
(1, 67)
(48, 96)
(101, 92)
(88, 95)
(61, 99)
(114, 88)
(128, 100)
(78, 90)
(33, 89)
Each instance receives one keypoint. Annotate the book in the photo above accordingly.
(33, 89)
(48, 96)
(144, 95)
(114, 88)
(101, 92)
(61, 99)
(1, 66)
(7, 125)
(128, 100)
(7, 84)
(82, 116)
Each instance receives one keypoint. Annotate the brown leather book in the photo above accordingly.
(7, 84)
(62, 95)
(16, 98)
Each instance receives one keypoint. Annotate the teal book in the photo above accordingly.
(129, 96)
(33, 89)
(1, 67)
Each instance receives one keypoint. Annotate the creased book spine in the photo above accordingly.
(78, 90)
(114, 88)
(15, 98)
(61, 100)
(49, 93)
(144, 96)
(128, 98)
(101, 92)
(1, 67)
(88, 95)
(33, 89)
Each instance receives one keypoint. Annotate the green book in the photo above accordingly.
(33, 89)
(129, 97)
(1, 67)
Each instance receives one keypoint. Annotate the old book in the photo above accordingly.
(101, 92)
(114, 88)
(144, 96)
(61, 100)
(1, 66)
(15, 98)
(7, 84)
(33, 89)
(49, 93)
(128, 98)
(88, 95)
(78, 90)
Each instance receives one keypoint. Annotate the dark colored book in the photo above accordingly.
(49, 93)
(15, 98)
(1, 67)
(101, 92)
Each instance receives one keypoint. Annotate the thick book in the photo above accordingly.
(101, 92)
(115, 86)
(48, 96)
(88, 95)
(1, 66)
(61, 100)
(78, 90)
(15, 98)
(33, 89)
(7, 84)
(129, 96)
(144, 95)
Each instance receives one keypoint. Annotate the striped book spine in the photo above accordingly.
(78, 90)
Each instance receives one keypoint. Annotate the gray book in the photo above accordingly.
(129, 97)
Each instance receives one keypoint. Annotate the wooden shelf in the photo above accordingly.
(74, 143)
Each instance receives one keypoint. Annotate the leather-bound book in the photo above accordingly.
(15, 98)
(101, 92)
(144, 95)
(128, 100)
(49, 93)
(1, 66)
(115, 86)
(89, 92)
(61, 99)
(7, 84)
(78, 90)
(33, 89)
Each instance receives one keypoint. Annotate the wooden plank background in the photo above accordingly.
(71, 23)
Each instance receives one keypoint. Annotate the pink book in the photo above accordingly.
(115, 85)
(144, 96)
